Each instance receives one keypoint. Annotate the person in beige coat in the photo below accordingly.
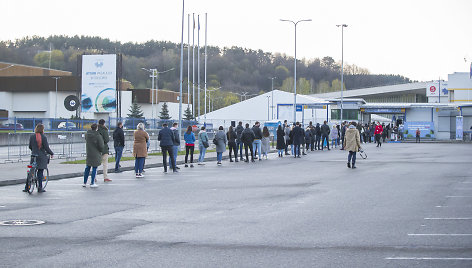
(352, 143)
(140, 149)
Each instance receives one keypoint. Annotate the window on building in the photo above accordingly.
(348, 114)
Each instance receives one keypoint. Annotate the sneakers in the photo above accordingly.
(218, 163)
(107, 180)
(139, 175)
(201, 164)
(41, 191)
(94, 185)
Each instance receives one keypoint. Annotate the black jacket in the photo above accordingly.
(325, 130)
(298, 136)
(166, 137)
(119, 137)
(231, 137)
(247, 137)
(318, 130)
(280, 139)
(257, 133)
(239, 131)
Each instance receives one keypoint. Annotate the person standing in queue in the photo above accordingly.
(352, 144)
(286, 136)
(94, 147)
(378, 132)
(239, 143)
(203, 145)
(232, 144)
(119, 144)
(176, 146)
(39, 146)
(280, 141)
(247, 138)
(103, 130)
(334, 137)
(297, 134)
(141, 138)
(265, 146)
(166, 141)
(325, 135)
(257, 144)
(220, 138)
(318, 137)
(189, 138)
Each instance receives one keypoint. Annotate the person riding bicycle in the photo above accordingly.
(39, 147)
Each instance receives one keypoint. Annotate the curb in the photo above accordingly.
(80, 174)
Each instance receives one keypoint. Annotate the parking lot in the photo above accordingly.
(406, 205)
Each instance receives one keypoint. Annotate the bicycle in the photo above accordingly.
(31, 177)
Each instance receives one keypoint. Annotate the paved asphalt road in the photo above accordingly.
(407, 205)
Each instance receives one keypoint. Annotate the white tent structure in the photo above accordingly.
(260, 109)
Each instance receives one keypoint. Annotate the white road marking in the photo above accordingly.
(448, 218)
(459, 196)
(441, 206)
(439, 234)
(429, 259)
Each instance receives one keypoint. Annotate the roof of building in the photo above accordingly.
(418, 88)
(14, 69)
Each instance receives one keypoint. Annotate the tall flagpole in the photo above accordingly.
(198, 64)
(193, 66)
(206, 66)
(181, 66)
(188, 64)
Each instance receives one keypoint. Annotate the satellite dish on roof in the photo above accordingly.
(71, 103)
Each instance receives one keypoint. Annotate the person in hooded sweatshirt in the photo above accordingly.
(352, 144)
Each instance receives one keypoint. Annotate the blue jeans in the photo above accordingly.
(219, 157)
(352, 155)
(202, 150)
(87, 172)
(139, 164)
(239, 146)
(296, 150)
(280, 151)
(118, 154)
(175, 150)
(256, 144)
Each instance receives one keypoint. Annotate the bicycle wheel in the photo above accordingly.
(46, 178)
(30, 183)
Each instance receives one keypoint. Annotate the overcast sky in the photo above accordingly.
(420, 39)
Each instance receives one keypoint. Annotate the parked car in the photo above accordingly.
(12, 126)
(67, 125)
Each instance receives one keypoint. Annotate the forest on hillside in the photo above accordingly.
(234, 69)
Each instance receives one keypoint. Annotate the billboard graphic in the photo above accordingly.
(426, 129)
(99, 83)
(433, 90)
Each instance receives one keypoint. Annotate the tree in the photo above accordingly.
(57, 59)
(165, 112)
(188, 113)
(135, 110)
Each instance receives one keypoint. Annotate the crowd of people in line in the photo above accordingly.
(254, 140)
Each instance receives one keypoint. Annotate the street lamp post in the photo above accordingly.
(342, 65)
(155, 74)
(272, 78)
(209, 99)
(55, 108)
(295, 71)
(268, 97)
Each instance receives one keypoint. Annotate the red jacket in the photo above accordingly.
(378, 129)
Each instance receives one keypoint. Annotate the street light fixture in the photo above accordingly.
(342, 65)
(154, 74)
(209, 99)
(295, 70)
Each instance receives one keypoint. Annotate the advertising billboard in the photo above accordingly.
(432, 89)
(426, 129)
(99, 83)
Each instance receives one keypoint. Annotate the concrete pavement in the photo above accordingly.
(406, 205)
